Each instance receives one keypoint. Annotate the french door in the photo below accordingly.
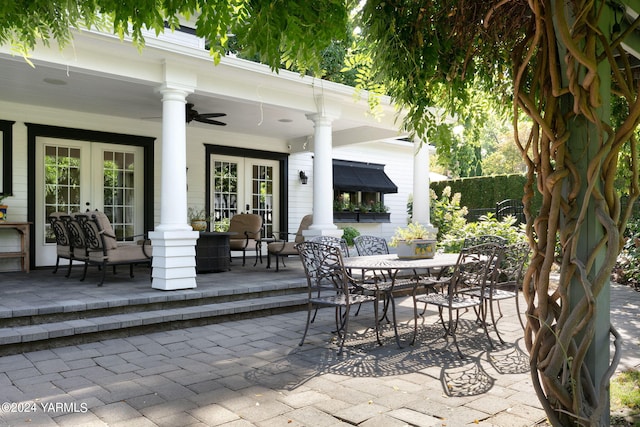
(244, 185)
(75, 176)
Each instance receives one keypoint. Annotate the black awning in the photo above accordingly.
(357, 176)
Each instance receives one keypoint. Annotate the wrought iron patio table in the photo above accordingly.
(394, 265)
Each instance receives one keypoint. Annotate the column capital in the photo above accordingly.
(174, 92)
(321, 119)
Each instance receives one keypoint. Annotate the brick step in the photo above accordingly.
(58, 311)
(68, 332)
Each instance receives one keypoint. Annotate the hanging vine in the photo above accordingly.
(562, 59)
(560, 331)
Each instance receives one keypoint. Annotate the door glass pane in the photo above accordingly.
(61, 183)
(262, 196)
(119, 193)
(225, 192)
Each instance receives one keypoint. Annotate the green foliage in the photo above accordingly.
(411, 232)
(446, 212)
(279, 33)
(624, 174)
(350, 233)
(486, 191)
(195, 214)
(500, 154)
(409, 40)
(488, 225)
(222, 225)
(627, 268)
(376, 207)
(625, 394)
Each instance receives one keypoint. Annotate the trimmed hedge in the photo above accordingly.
(481, 193)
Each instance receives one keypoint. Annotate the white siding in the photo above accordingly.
(398, 160)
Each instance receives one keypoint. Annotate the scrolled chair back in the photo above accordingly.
(59, 228)
(370, 245)
(336, 242)
(483, 239)
(323, 264)
(476, 265)
(512, 262)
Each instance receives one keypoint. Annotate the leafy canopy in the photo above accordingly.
(277, 32)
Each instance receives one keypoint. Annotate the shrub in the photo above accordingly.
(627, 268)
(488, 224)
(446, 212)
(350, 233)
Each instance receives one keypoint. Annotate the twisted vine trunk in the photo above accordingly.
(562, 82)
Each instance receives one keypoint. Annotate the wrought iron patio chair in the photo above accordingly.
(370, 245)
(324, 268)
(483, 239)
(505, 282)
(337, 242)
(471, 271)
(444, 276)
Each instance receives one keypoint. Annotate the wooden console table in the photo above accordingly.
(23, 229)
(212, 252)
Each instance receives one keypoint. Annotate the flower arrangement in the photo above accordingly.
(196, 214)
(198, 218)
(413, 231)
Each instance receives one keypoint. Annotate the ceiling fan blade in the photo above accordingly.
(211, 115)
(201, 119)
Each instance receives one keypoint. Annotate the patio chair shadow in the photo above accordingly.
(363, 357)
(468, 380)
(510, 360)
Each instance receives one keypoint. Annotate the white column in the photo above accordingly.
(173, 240)
(421, 193)
(322, 178)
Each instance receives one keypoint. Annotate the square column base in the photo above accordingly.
(174, 259)
(321, 231)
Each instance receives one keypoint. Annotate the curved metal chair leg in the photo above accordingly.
(306, 329)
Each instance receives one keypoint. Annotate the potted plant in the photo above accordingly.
(3, 207)
(344, 212)
(374, 212)
(198, 219)
(415, 241)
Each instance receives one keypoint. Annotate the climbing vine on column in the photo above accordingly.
(562, 58)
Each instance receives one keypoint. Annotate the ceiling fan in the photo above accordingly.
(192, 114)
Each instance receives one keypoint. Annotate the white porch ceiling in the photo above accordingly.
(78, 88)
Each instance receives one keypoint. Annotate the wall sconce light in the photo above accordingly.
(303, 178)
